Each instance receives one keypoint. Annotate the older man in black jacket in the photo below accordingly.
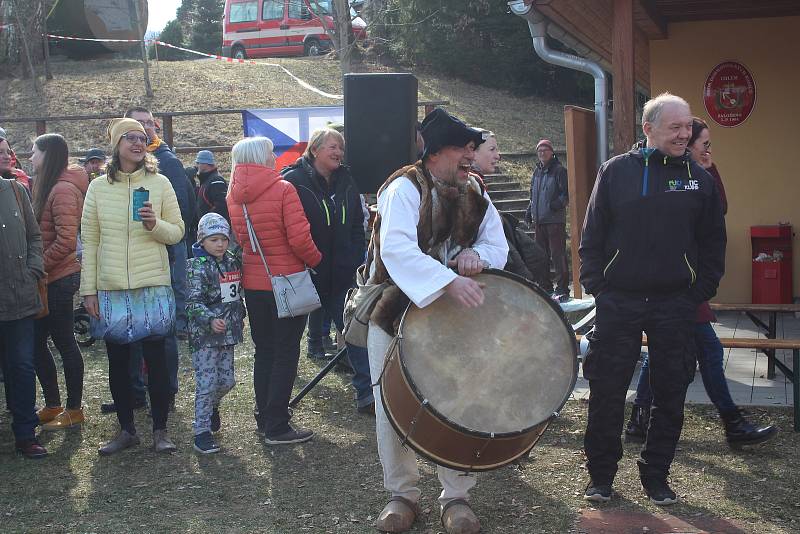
(653, 248)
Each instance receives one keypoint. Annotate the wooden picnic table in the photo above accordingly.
(769, 329)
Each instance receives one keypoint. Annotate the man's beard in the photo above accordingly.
(450, 189)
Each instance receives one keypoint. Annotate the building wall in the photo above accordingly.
(758, 160)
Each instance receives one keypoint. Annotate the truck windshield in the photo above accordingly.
(323, 7)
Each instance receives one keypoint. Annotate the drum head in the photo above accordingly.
(502, 368)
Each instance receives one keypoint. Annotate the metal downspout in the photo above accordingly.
(537, 23)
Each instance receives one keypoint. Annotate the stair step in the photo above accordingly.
(507, 205)
(488, 178)
(501, 186)
(509, 194)
(518, 213)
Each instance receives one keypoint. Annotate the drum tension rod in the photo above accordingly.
(413, 423)
(478, 454)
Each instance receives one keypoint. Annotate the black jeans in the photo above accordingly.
(119, 381)
(277, 344)
(614, 348)
(59, 325)
(553, 239)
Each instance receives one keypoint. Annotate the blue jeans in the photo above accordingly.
(709, 357)
(359, 359)
(319, 326)
(20, 378)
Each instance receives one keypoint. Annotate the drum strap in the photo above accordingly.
(389, 351)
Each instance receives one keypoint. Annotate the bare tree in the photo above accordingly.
(25, 35)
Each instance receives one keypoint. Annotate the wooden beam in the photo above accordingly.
(623, 69)
(650, 19)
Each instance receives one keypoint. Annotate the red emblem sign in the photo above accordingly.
(729, 94)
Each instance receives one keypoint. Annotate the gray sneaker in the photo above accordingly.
(162, 443)
(299, 435)
(122, 440)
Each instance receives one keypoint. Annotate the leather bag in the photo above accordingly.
(295, 294)
(360, 302)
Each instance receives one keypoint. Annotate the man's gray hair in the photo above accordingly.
(255, 150)
(653, 107)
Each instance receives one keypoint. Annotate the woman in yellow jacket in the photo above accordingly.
(129, 217)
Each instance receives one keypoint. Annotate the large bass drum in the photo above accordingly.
(473, 389)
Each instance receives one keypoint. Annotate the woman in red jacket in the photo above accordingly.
(283, 231)
(58, 194)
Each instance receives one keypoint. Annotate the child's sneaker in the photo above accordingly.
(216, 422)
(204, 443)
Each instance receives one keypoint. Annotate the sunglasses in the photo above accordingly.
(134, 138)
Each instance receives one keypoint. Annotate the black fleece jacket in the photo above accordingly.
(337, 223)
(654, 225)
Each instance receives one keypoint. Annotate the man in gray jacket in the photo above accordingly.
(547, 212)
(21, 265)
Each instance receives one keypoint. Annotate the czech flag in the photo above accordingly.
(289, 128)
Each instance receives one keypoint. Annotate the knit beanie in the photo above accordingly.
(544, 142)
(212, 224)
(119, 127)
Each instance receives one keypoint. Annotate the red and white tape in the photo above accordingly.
(213, 56)
(95, 40)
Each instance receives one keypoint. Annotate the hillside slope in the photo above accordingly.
(107, 86)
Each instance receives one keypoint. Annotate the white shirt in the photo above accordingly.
(421, 277)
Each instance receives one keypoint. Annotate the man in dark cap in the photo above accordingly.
(422, 275)
(547, 212)
(93, 162)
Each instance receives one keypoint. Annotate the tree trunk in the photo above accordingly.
(148, 89)
(343, 32)
(27, 53)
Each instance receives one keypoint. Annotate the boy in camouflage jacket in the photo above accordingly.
(216, 319)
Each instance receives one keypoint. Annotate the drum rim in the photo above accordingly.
(471, 431)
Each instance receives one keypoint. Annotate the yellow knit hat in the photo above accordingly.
(119, 127)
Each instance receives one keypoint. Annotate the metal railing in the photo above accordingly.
(167, 128)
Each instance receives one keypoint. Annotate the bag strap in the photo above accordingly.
(254, 244)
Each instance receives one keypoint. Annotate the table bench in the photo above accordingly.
(763, 345)
(769, 329)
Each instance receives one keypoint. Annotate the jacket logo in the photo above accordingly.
(680, 185)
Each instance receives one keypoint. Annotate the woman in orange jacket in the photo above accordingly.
(58, 194)
(283, 231)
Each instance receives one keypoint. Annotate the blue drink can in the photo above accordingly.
(140, 196)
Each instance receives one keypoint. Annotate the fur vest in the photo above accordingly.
(458, 219)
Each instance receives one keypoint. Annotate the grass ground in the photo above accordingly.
(334, 483)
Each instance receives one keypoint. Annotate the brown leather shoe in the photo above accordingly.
(162, 443)
(66, 419)
(48, 413)
(458, 518)
(121, 441)
(398, 515)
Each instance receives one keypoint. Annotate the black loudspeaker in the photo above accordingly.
(380, 116)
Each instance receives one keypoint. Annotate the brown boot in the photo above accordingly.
(398, 515)
(458, 518)
(162, 443)
(121, 441)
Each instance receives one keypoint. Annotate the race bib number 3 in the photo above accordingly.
(230, 285)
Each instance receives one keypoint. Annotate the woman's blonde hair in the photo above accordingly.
(255, 150)
(318, 137)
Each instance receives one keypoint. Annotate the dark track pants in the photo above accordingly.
(614, 348)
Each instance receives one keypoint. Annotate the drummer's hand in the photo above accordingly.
(468, 262)
(466, 291)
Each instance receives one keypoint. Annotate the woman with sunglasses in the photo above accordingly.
(738, 430)
(58, 193)
(129, 217)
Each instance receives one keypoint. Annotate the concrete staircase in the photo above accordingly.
(507, 195)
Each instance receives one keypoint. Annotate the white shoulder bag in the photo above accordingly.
(295, 293)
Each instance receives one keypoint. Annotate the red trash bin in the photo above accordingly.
(772, 277)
